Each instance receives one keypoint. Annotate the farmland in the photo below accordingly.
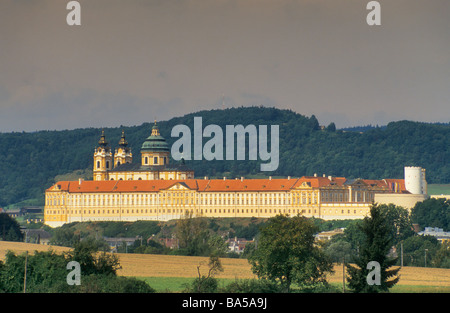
(21, 247)
(151, 267)
(439, 189)
(182, 266)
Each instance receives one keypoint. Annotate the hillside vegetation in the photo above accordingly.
(31, 161)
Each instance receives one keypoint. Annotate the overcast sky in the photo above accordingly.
(135, 61)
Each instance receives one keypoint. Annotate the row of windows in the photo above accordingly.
(152, 177)
(276, 197)
(107, 165)
(203, 211)
(356, 196)
(173, 201)
(155, 160)
(146, 159)
(189, 198)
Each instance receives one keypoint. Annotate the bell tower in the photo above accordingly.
(102, 159)
(123, 152)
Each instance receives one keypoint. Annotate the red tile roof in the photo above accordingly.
(396, 184)
(373, 182)
(250, 184)
(314, 182)
(195, 184)
(215, 185)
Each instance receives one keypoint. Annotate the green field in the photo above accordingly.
(167, 284)
(439, 189)
(176, 284)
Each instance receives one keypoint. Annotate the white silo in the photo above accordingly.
(413, 179)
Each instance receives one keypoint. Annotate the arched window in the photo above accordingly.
(98, 164)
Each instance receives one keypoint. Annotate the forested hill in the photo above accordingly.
(31, 161)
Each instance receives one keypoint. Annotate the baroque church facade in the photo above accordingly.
(154, 163)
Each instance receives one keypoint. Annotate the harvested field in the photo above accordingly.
(181, 266)
(21, 247)
(149, 265)
(417, 276)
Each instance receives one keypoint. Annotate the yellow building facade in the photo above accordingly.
(162, 200)
(154, 189)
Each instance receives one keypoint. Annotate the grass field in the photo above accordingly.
(438, 189)
(170, 272)
(177, 284)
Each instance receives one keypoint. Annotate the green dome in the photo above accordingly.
(155, 142)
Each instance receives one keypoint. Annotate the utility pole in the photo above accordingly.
(343, 274)
(401, 254)
(25, 274)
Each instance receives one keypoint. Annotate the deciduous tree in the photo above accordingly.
(286, 253)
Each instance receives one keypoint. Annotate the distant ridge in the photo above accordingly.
(370, 127)
(362, 128)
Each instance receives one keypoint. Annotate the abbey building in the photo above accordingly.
(154, 163)
(155, 189)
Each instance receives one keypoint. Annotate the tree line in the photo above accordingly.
(31, 161)
(194, 236)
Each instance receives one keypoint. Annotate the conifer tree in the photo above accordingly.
(376, 246)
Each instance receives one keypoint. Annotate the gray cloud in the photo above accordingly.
(130, 62)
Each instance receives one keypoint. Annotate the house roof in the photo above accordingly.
(38, 232)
